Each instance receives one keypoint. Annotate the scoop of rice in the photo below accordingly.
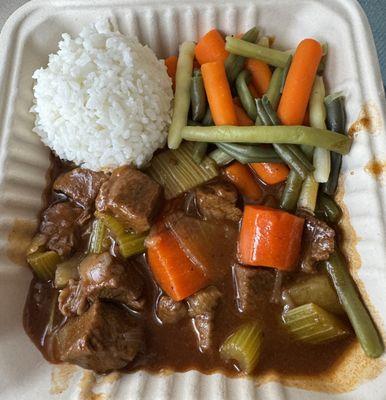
(104, 100)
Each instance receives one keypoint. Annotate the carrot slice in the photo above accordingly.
(242, 178)
(270, 238)
(219, 93)
(298, 85)
(176, 274)
(171, 66)
(211, 47)
(261, 75)
(271, 173)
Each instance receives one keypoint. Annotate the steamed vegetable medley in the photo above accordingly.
(223, 253)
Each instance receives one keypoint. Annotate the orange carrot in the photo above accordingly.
(253, 90)
(271, 173)
(219, 93)
(270, 238)
(242, 178)
(242, 116)
(298, 85)
(171, 66)
(176, 274)
(211, 47)
(261, 74)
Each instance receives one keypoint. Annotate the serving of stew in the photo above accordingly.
(223, 253)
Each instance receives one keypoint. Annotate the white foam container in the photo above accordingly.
(26, 40)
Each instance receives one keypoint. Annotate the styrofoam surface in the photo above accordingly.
(27, 39)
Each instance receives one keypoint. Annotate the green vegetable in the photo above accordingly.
(285, 73)
(37, 244)
(273, 92)
(302, 158)
(244, 346)
(249, 154)
(322, 159)
(220, 157)
(199, 151)
(197, 97)
(131, 244)
(182, 93)
(269, 134)
(112, 223)
(44, 264)
(67, 270)
(308, 194)
(358, 315)
(244, 94)
(270, 56)
(97, 237)
(207, 120)
(234, 63)
(328, 209)
(311, 324)
(177, 172)
(269, 118)
(315, 289)
(291, 192)
(336, 121)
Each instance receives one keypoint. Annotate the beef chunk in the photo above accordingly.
(253, 287)
(317, 243)
(104, 338)
(202, 307)
(102, 278)
(170, 311)
(60, 224)
(80, 185)
(132, 197)
(218, 200)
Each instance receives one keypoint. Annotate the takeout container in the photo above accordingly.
(26, 40)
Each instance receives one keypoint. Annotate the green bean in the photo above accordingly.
(193, 123)
(220, 157)
(308, 194)
(291, 192)
(197, 97)
(273, 92)
(244, 94)
(291, 159)
(207, 120)
(182, 94)
(269, 117)
(199, 151)
(328, 209)
(264, 117)
(270, 56)
(234, 64)
(303, 159)
(285, 73)
(269, 134)
(336, 121)
(249, 154)
(357, 313)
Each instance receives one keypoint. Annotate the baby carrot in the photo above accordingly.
(298, 85)
(242, 116)
(211, 47)
(271, 173)
(261, 74)
(219, 93)
(171, 67)
(241, 176)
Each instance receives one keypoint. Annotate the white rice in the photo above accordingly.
(103, 101)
